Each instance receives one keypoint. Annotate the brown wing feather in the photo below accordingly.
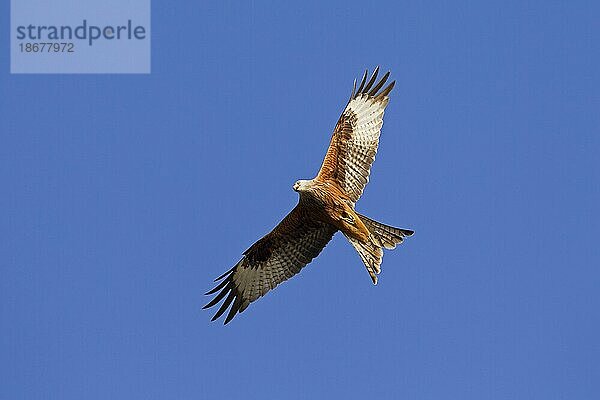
(278, 256)
(355, 138)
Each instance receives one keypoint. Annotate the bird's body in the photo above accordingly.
(326, 205)
(332, 206)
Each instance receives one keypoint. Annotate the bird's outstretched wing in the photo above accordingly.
(356, 137)
(278, 256)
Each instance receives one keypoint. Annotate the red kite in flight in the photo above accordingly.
(326, 205)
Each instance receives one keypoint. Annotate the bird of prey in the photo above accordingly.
(325, 206)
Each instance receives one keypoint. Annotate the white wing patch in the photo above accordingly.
(366, 117)
(356, 137)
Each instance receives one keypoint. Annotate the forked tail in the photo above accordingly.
(382, 236)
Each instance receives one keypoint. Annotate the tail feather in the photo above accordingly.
(385, 235)
(382, 236)
(371, 255)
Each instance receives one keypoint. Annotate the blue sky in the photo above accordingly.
(125, 195)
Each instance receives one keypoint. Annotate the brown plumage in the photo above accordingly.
(326, 205)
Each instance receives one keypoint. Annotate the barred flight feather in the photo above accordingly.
(355, 139)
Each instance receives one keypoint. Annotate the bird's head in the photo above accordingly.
(301, 185)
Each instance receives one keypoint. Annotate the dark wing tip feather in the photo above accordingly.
(385, 92)
(219, 296)
(380, 84)
(226, 288)
(225, 305)
(371, 88)
(372, 80)
(217, 288)
(225, 274)
(407, 232)
(235, 307)
(362, 82)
